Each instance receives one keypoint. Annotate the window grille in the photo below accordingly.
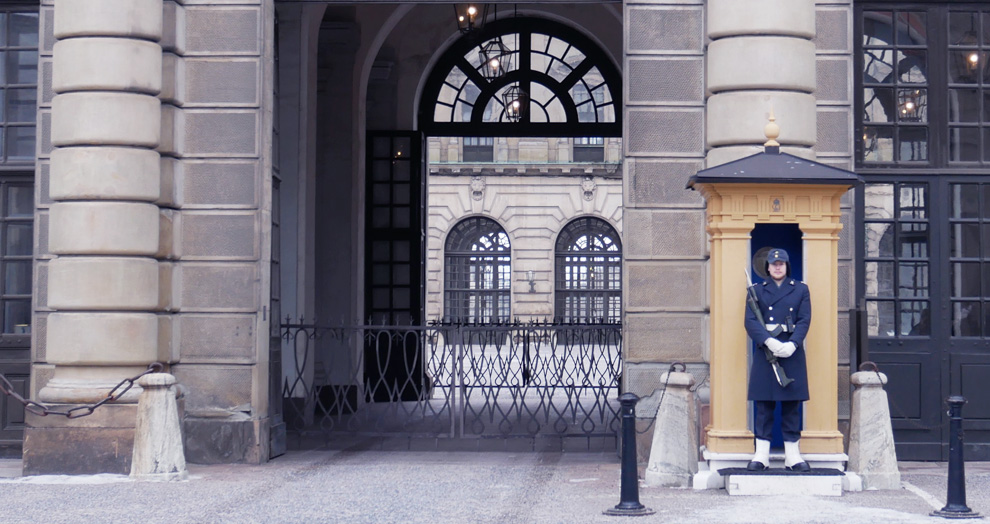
(589, 272)
(477, 272)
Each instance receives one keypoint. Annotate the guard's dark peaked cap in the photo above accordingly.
(777, 255)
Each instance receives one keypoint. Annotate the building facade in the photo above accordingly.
(179, 176)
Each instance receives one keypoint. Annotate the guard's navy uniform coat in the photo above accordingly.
(792, 299)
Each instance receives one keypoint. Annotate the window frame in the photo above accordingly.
(608, 259)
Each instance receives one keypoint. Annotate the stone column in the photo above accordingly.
(103, 283)
(761, 57)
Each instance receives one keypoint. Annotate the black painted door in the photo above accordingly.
(927, 289)
(395, 250)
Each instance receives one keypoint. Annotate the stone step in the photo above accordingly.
(826, 482)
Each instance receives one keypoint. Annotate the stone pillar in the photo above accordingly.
(674, 456)
(103, 282)
(664, 288)
(761, 57)
(871, 438)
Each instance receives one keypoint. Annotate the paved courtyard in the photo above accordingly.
(375, 486)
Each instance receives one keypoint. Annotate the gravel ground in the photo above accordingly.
(457, 487)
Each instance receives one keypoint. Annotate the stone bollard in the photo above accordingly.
(674, 454)
(158, 453)
(871, 438)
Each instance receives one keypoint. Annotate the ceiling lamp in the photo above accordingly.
(516, 102)
(496, 59)
(470, 17)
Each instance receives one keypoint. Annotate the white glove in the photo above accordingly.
(773, 344)
(786, 349)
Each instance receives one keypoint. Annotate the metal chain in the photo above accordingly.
(663, 392)
(900, 413)
(41, 410)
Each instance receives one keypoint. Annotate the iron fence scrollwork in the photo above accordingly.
(453, 380)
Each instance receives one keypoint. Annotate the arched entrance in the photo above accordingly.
(397, 368)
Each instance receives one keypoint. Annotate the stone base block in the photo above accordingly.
(227, 440)
(785, 484)
(708, 477)
(77, 450)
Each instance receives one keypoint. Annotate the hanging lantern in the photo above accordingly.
(496, 58)
(470, 16)
(516, 102)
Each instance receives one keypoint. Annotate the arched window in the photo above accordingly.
(477, 272)
(572, 87)
(589, 272)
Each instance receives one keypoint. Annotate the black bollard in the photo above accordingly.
(629, 505)
(955, 499)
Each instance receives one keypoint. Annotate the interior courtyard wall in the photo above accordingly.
(532, 209)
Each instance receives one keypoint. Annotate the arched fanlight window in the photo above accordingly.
(569, 86)
(477, 272)
(588, 272)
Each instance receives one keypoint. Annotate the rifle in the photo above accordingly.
(753, 303)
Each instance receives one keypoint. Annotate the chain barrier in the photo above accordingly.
(865, 366)
(41, 410)
(663, 392)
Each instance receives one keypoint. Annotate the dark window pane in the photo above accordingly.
(878, 66)
(913, 202)
(21, 104)
(964, 105)
(3, 29)
(17, 316)
(401, 171)
(964, 144)
(18, 240)
(915, 318)
(911, 28)
(24, 29)
(963, 28)
(964, 240)
(381, 170)
(22, 67)
(880, 279)
(382, 147)
(879, 240)
(401, 216)
(380, 194)
(17, 278)
(878, 144)
(965, 280)
(20, 143)
(966, 319)
(912, 67)
(912, 280)
(965, 201)
(966, 66)
(912, 105)
(881, 318)
(913, 241)
(879, 202)
(20, 202)
(400, 194)
(914, 144)
(380, 217)
(878, 104)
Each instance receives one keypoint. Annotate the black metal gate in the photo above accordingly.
(458, 381)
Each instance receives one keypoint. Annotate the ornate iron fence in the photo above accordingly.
(453, 380)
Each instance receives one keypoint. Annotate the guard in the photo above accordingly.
(778, 324)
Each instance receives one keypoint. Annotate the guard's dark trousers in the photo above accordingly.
(790, 411)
